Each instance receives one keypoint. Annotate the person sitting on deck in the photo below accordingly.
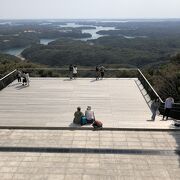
(89, 115)
(77, 116)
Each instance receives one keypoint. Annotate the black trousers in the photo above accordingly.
(102, 74)
(19, 79)
(166, 113)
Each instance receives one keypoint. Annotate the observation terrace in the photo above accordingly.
(51, 102)
(38, 140)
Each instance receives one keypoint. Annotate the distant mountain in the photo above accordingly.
(105, 50)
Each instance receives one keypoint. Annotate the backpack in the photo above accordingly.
(83, 120)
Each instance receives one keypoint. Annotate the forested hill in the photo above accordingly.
(137, 52)
(27, 35)
(166, 78)
(8, 63)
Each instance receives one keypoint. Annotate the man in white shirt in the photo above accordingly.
(167, 107)
(27, 78)
(74, 72)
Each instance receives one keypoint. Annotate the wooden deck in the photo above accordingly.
(51, 102)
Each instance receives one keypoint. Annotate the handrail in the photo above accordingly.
(175, 112)
(153, 88)
(150, 85)
(82, 72)
(7, 79)
(82, 69)
(8, 75)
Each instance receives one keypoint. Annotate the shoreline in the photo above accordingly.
(20, 57)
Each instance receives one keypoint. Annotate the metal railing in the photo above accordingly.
(9, 78)
(82, 72)
(175, 112)
(147, 86)
(64, 72)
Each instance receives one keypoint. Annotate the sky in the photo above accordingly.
(89, 9)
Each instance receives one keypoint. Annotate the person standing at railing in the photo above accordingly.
(23, 78)
(154, 108)
(27, 78)
(167, 107)
(97, 72)
(19, 76)
(70, 71)
(74, 72)
(102, 70)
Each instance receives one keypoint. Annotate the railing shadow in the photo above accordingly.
(176, 146)
(20, 87)
(95, 80)
(12, 85)
(67, 79)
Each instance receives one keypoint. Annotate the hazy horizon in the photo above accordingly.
(86, 9)
(90, 19)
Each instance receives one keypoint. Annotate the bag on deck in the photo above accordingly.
(97, 124)
(83, 120)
